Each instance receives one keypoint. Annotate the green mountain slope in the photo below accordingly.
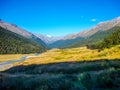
(93, 35)
(79, 41)
(95, 38)
(24, 33)
(13, 43)
(109, 41)
(65, 43)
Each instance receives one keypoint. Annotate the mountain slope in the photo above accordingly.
(65, 43)
(96, 34)
(109, 41)
(80, 41)
(11, 42)
(102, 26)
(95, 38)
(14, 28)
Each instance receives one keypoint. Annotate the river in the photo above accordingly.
(9, 64)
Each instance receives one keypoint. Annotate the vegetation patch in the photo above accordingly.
(86, 75)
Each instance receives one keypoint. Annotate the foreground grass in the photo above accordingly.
(73, 54)
(86, 75)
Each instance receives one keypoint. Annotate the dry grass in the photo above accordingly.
(73, 54)
(8, 57)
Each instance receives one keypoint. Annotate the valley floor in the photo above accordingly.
(66, 69)
(9, 57)
(73, 54)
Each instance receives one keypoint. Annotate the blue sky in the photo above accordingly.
(58, 17)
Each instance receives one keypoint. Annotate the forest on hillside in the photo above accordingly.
(12, 43)
(109, 41)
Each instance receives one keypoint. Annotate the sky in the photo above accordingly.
(58, 17)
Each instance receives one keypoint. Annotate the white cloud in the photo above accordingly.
(93, 20)
(48, 35)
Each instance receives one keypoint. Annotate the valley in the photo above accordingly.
(88, 60)
(73, 55)
(59, 44)
(61, 69)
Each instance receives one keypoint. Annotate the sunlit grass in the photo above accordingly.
(8, 57)
(73, 54)
(62, 76)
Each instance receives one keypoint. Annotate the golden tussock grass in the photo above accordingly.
(8, 57)
(73, 54)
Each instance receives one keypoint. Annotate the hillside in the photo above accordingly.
(12, 43)
(24, 33)
(65, 43)
(109, 41)
(95, 38)
(94, 35)
(80, 41)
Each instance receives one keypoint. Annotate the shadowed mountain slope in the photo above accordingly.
(11, 42)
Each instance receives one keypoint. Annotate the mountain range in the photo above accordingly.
(48, 39)
(97, 33)
(93, 35)
(85, 37)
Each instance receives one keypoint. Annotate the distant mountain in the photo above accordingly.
(12, 43)
(95, 34)
(47, 38)
(14, 28)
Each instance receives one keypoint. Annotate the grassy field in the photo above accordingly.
(84, 75)
(8, 57)
(66, 69)
(73, 54)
